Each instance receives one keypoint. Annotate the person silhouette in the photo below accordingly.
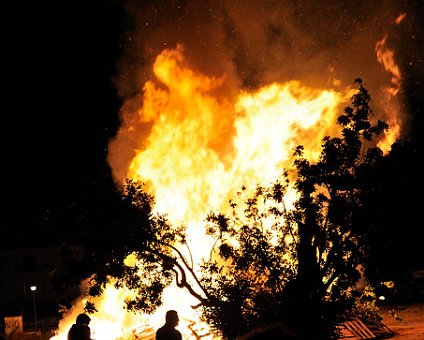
(80, 329)
(168, 331)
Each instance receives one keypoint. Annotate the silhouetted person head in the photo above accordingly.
(171, 318)
(80, 329)
(83, 319)
(168, 331)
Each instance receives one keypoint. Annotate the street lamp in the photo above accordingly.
(33, 288)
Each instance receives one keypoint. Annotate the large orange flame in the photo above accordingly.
(199, 147)
(385, 56)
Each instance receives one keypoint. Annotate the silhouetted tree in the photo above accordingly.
(330, 218)
(322, 236)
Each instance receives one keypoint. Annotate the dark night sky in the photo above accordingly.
(62, 104)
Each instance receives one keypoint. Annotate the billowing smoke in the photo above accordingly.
(260, 41)
(255, 43)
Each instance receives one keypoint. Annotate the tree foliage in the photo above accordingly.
(304, 263)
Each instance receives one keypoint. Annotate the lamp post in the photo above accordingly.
(33, 288)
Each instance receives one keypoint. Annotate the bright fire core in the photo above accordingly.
(198, 148)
